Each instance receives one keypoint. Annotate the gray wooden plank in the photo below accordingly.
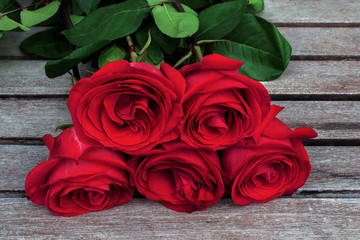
(334, 168)
(144, 219)
(32, 118)
(307, 11)
(312, 41)
(319, 41)
(25, 77)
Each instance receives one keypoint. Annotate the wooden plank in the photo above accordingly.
(323, 41)
(25, 77)
(307, 11)
(313, 41)
(334, 168)
(32, 118)
(144, 219)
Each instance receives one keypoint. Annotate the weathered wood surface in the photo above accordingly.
(334, 168)
(322, 32)
(19, 77)
(144, 219)
(314, 41)
(32, 118)
(319, 41)
(309, 11)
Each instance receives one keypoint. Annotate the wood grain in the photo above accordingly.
(32, 118)
(144, 219)
(334, 169)
(308, 11)
(19, 77)
(313, 41)
(323, 41)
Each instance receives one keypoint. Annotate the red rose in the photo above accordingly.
(276, 164)
(128, 106)
(181, 178)
(79, 178)
(220, 105)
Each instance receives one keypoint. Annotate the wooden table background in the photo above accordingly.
(320, 89)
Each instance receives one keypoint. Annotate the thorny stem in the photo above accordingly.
(68, 24)
(133, 54)
(22, 8)
(195, 47)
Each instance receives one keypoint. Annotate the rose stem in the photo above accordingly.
(68, 24)
(21, 8)
(196, 48)
(133, 54)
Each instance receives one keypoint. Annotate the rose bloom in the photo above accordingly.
(275, 164)
(180, 177)
(79, 178)
(220, 105)
(128, 106)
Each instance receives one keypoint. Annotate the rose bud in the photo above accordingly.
(180, 177)
(276, 164)
(79, 178)
(220, 105)
(128, 106)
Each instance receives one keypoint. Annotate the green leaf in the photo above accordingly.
(259, 44)
(110, 54)
(198, 3)
(153, 2)
(109, 23)
(1, 34)
(220, 19)
(87, 6)
(154, 54)
(8, 5)
(167, 43)
(31, 18)
(255, 6)
(7, 24)
(59, 67)
(49, 43)
(173, 23)
(75, 19)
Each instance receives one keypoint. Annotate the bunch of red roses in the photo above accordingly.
(184, 138)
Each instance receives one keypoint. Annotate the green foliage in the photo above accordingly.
(198, 3)
(31, 18)
(110, 54)
(7, 24)
(8, 5)
(227, 27)
(220, 19)
(257, 42)
(153, 53)
(173, 23)
(255, 6)
(87, 6)
(59, 67)
(75, 19)
(49, 43)
(108, 23)
(167, 43)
